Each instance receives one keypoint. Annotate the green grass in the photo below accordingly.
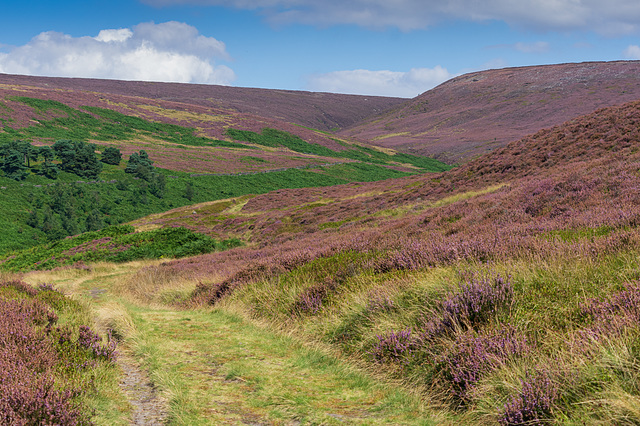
(114, 244)
(252, 375)
(103, 125)
(578, 234)
(277, 138)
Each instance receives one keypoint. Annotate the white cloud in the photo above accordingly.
(380, 83)
(171, 51)
(632, 52)
(608, 17)
(120, 35)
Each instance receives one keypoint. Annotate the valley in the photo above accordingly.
(288, 275)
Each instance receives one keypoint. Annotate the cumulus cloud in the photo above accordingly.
(632, 52)
(380, 83)
(171, 51)
(610, 17)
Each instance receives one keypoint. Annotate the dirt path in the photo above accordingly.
(149, 408)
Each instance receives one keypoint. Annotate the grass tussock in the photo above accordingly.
(155, 283)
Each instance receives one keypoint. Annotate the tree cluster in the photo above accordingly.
(78, 157)
(16, 159)
(75, 157)
(66, 209)
(141, 167)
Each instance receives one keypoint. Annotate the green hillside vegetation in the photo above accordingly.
(115, 244)
(68, 187)
(101, 125)
(37, 208)
(277, 138)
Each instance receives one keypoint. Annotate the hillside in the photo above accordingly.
(503, 291)
(478, 112)
(535, 179)
(198, 153)
(498, 289)
(322, 111)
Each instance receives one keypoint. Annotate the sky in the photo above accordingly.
(369, 47)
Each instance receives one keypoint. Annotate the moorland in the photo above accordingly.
(470, 256)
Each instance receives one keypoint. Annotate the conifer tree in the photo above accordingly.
(111, 155)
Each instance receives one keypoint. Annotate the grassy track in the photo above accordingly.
(214, 367)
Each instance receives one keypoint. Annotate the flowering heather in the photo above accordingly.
(473, 355)
(28, 361)
(19, 286)
(394, 347)
(92, 341)
(39, 359)
(379, 302)
(611, 317)
(533, 404)
(311, 300)
(477, 300)
(624, 303)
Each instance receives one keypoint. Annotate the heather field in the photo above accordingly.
(503, 291)
(476, 113)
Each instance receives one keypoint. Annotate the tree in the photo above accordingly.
(188, 191)
(132, 164)
(78, 158)
(111, 155)
(65, 151)
(86, 161)
(32, 154)
(94, 221)
(140, 165)
(47, 153)
(49, 170)
(157, 185)
(13, 166)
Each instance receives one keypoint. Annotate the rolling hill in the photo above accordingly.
(502, 291)
(199, 152)
(478, 112)
(322, 111)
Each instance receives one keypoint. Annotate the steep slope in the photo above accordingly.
(322, 111)
(476, 113)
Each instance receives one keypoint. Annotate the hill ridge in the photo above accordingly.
(475, 113)
(319, 110)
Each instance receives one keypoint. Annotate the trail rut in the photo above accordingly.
(149, 408)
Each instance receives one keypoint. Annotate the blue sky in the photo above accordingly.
(372, 47)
